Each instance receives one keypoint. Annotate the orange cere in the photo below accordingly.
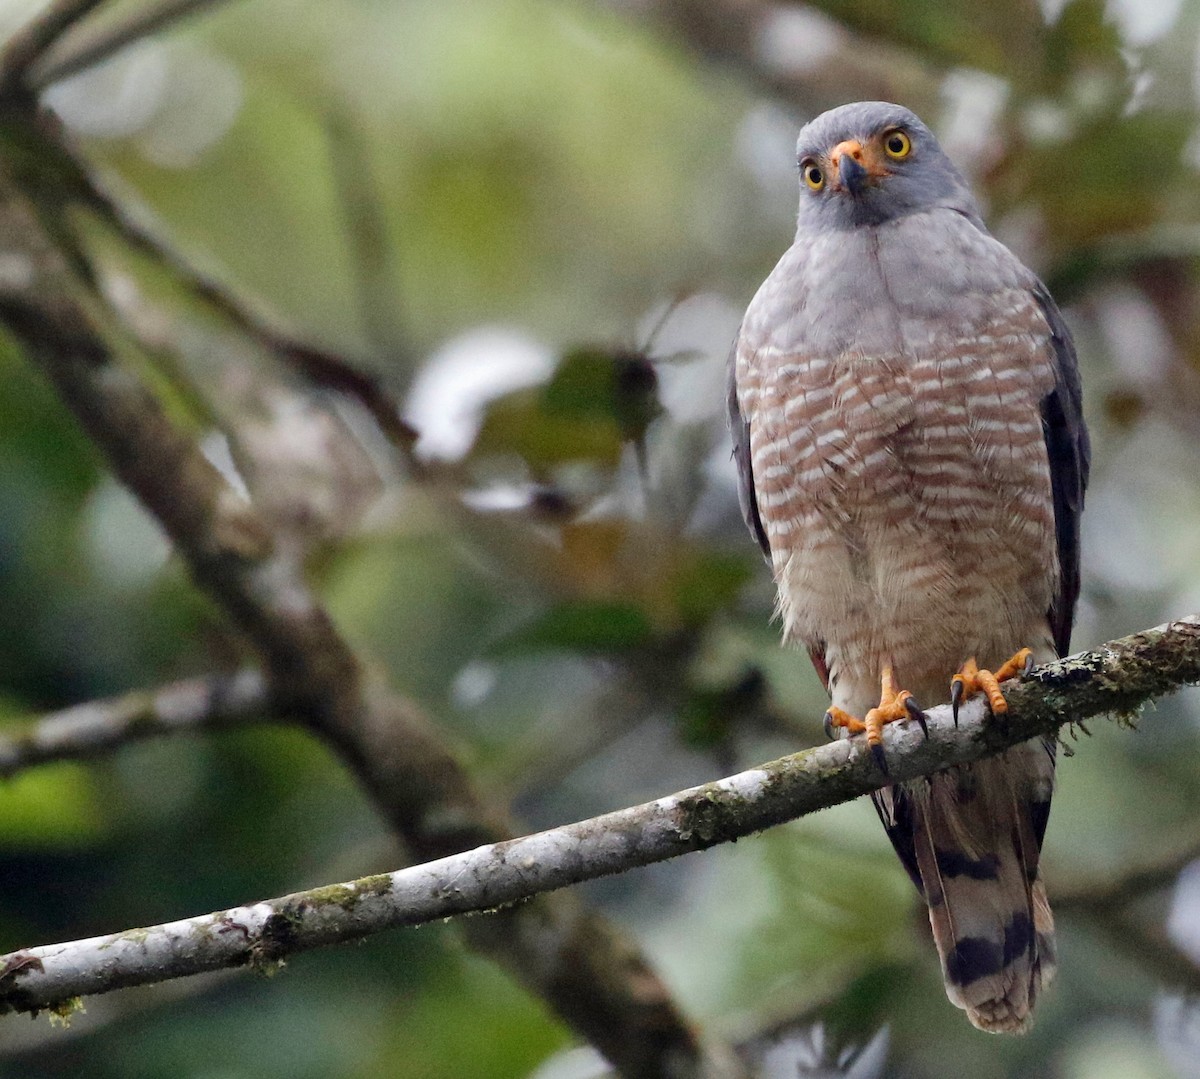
(868, 157)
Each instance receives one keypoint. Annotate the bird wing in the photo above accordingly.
(739, 428)
(1069, 454)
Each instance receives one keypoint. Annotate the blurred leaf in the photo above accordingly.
(1083, 37)
(591, 552)
(520, 423)
(598, 382)
(866, 1000)
(705, 581)
(837, 911)
(37, 431)
(585, 626)
(707, 716)
(983, 36)
(596, 401)
(55, 805)
(419, 605)
(1039, 53)
(1115, 174)
(473, 1022)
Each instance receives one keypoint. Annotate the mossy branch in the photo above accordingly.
(1117, 678)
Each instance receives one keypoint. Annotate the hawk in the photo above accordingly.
(906, 412)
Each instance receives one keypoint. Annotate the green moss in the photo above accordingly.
(60, 1014)
(137, 936)
(348, 896)
(379, 884)
(345, 896)
(711, 817)
(278, 938)
(281, 932)
(717, 815)
(265, 966)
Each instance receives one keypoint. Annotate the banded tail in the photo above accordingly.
(970, 838)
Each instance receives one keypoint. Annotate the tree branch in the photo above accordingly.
(321, 366)
(1112, 893)
(756, 39)
(1147, 946)
(1117, 677)
(99, 45)
(587, 970)
(32, 41)
(375, 275)
(212, 703)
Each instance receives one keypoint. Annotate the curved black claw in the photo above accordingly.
(956, 696)
(914, 713)
(880, 759)
(829, 729)
(1029, 665)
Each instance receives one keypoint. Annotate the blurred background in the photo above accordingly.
(538, 223)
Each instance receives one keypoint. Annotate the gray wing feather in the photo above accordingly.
(739, 428)
(1069, 453)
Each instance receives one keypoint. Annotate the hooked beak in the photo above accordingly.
(847, 159)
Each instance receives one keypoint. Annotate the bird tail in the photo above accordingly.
(971, 838)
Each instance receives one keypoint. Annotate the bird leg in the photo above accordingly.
(894, 704)
(971, 680)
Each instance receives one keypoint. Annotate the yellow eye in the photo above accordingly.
(896, 144)
(813, 176)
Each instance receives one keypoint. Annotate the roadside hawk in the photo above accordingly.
(905, 406)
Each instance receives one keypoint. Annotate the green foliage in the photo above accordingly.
(473, 1022)
(584, 627)
(595, 403)
(709, 716)
(707, 582)
(56, 807)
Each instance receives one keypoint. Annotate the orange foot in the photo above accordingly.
(894, 704)
(971, 680)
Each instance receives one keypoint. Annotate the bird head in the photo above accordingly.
(870, 162)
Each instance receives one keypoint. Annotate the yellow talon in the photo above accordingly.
(894, 704)
(972, 679)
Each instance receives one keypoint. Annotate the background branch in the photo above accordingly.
(1147, 946)
(213, 703)
(88, 48)
(1135, 883)
(593, 976)
(320, 366)
(32, 41)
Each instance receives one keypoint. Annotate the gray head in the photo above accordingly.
(870, 162)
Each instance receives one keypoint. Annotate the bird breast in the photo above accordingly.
(895, 376)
